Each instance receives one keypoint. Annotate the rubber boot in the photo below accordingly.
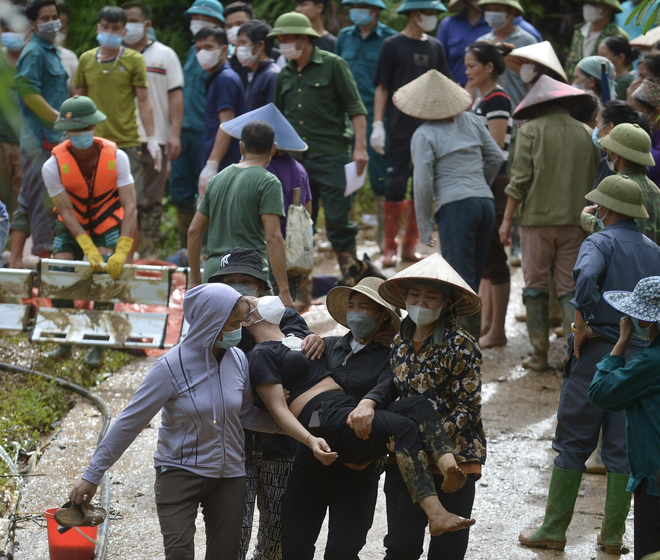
(538, 327)
(410, 235)
(562, 494)
(184, 215)
(471, 323)
(149, 233)
(380, 215)
(594, 464)
(567, 312)
(94, 357)
(393, 212)
(60, 352)
(617, 506)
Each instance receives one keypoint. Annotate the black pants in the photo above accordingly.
(647, 522)
(406, 523)
(399, 169)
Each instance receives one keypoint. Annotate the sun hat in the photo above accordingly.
(614, 3)
(621, 194)
(432, 96)
(545, 92)
(631, 142)
(540, 53)
(409, 5)
(285, 135)
(338, 298)
(208, 8)
(648, 92)
(293, 23)
(240, 260)
(510, 3)
(375, 3)
(642, 303)
(78, 112)
(646, 41)
(436, 270)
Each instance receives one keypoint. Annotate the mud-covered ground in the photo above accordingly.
(519, 416)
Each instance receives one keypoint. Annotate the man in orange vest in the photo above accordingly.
(89, 180)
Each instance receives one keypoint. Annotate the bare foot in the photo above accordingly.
(484, 329)
(454, 478)
(492, 339)
(445, 521)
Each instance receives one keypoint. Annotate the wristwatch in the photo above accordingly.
(578, 330)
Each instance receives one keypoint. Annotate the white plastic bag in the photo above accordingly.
(299, 245)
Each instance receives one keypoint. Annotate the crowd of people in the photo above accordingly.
(481, 134)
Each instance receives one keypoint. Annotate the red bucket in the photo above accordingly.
(71, 545)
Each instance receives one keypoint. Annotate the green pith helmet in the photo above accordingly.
(208, 8)
(78, 112)
(631, 142)
(409, 5)
(614, 3)
(293, 23)
(621, 194)
(509, 3)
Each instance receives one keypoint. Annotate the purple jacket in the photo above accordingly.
(654, 171)
(291, 174)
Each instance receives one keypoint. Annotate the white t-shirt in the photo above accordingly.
(70, 63)
(164, 74)
(51, 174)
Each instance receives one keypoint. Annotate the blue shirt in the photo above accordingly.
(3, 212)
(362, 57)
(194, 93)
(224, 91)
(261, 89)
(632, 29)
(39, 70)
(615, 258)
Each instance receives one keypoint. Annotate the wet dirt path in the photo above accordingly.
(519, 416)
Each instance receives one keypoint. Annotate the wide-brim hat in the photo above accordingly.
(375, 3)
(285, 135)
(643, 303)
(646, 41)
(209, 8)
(620, 194)
(293, 23)
(539, 53)
(338, 298)
(547, 91)
(240, 260)
(432, 270)
(77, 113)
(509, 3)
(630, 141)
(409, 5)
(614, 3)
(432, 96)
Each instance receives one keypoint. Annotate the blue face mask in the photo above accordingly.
(82, 140)
(644, 334)
(360, 16)
(595, 139)
(111, 40)
(229, 339)
(599, 220)
(13, 41)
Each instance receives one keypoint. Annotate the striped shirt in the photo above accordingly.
(496, 105)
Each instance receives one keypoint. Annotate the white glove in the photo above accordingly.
(153, 147)
(377, 140)
(209, 171)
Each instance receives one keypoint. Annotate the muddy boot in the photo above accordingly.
(149, 233)
(60, 352)
(184, 215)
(562, 494)
(471, 323)
(380, 215)
(594, 464)
(94, 357)
(617, 506)
(393, 212)
(410, 235)
(536, 303)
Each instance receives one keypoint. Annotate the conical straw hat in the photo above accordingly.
(541, 53)
(546, 91)
(432, 96)
(646, 41)
(432, 269)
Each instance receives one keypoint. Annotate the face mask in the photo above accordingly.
(134, 32)
(208, 59)
(110, 40)
(643, 333)
(244, 289)
(48, 31)
(610, 164)
(232, 34)
(427, 23)
(361, 325)
(60, 38)
(245, 55)
(422, 316)
(198, 24)
(594, 137)
(497, 20)
(82, 140)
(528, 73)
(229, 339)
(599, 220)
(360, 16)
(591, 13)
(13, 41)
(271, 309)
(289, 51)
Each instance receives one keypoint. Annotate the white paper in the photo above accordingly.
(353, 180)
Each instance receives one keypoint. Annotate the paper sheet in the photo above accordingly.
(353, 180)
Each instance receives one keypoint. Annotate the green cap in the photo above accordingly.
(293, 23)
(631, 142)
(208, 8)
(509, 3)
(78, 112)
(621, 194)
(614, 3)
(409, 5)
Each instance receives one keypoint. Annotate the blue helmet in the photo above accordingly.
(209, 8)
(376, 3)
(409, 5)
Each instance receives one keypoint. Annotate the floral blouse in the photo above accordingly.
(447, 371)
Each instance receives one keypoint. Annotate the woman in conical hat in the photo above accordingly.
(533, 61)
(433, 357)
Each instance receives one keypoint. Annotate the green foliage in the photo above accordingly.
(648, 11)
(168, 242)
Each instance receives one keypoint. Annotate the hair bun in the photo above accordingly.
(505, 48)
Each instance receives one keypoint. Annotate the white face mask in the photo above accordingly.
(208, 59)
(289, 51)
(591, 13)
(271, 309)
(134, 32)
(497, 20)
(422, 316)
(246, 56)
(528, 72)
(610, 164)
(197, 25)
(427, 23)
(232, 34)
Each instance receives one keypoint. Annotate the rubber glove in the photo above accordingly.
(156, 154)
(209, 171)
(91, 252)
(118, 258)
(377, 139)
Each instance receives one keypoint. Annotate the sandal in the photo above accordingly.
(83, 515)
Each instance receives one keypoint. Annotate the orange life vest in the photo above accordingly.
(96, 206)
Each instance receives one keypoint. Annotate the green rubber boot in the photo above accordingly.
(617, 506)
(538, 327)
(567, 312)
(95, 357)
(562, 494)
